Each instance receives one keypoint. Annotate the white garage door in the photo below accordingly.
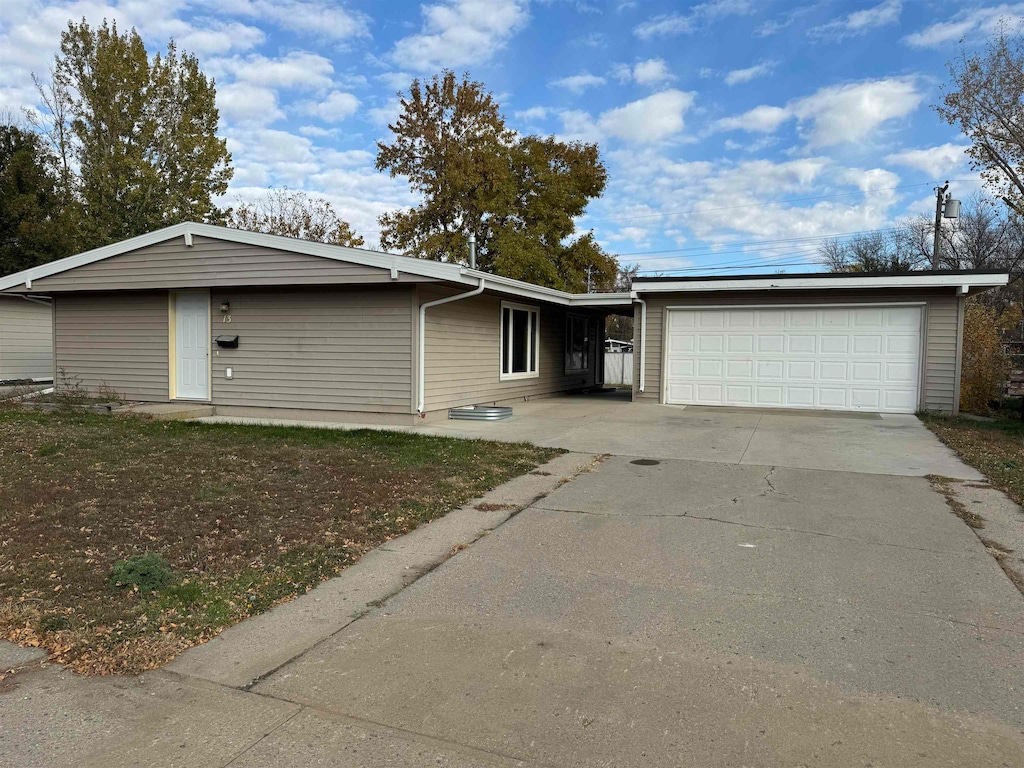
(843, 358)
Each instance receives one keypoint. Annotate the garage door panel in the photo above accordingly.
(833, 370)
(903, 317)
(835, 345)
(682, 367)
(800, 397)
(862, 372)
(901, 344)
(832, 397)
(847, 358)
(742, 343)
(682, 343)
(802, 370)
(767, 396)
(710, 393)
(739, 369)
(802, 344)
(709, 368)
(739, 394)
(710, 343)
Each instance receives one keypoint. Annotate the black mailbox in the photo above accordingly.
(227, 342)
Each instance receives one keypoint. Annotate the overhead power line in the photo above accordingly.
(708, 249)
(677, 211)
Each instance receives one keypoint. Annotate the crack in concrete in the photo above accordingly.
(273, 730)
(689, 516)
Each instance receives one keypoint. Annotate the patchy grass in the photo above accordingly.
(244, 517)
(994, 448)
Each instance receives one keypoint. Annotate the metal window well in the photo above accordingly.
(481, 412)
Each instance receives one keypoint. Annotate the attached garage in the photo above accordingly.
(879, 343)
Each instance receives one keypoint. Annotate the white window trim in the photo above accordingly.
(533, 338)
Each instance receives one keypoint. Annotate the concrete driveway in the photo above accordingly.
(771, 589)
(761, 589)
(852, 442)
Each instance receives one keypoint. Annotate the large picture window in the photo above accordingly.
(520, 340)
(577, 343)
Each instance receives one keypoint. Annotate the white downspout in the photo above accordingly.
(421, 349)
(643, 340)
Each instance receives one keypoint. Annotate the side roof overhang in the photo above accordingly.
(450, 273)
(963, 282)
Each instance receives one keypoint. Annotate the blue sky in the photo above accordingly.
(736, 133)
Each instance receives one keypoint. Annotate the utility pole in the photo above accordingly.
(590, 268)
(940, 201)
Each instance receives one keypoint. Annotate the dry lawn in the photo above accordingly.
(245, 516)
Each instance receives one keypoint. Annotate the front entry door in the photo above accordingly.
(192, 345)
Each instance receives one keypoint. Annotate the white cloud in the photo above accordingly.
(738, 76)
(532, 114)
(386, 113)
(860, 22)
(654, 118)
(934, 161)
(578, 83)
(651, 72)
(458, 33)
(671, 24)
(968, 23)
(248, 103)
(300, 70)
(728, 201)
(336, 107)
(836, 114)
(315, 18)
(762, 119)
(848, 113)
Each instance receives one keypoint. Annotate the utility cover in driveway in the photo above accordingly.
(840, 358)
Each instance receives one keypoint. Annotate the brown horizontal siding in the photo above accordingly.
(209, 262)
(462, 356)
(320, 349)
(117, 340)
(940, 332)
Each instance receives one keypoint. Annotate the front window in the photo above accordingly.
(520, 340)
(577, 343)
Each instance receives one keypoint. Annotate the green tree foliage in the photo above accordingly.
(33, 229)
(137, 137)
(518, 195)
(294, 214)
(986, 101)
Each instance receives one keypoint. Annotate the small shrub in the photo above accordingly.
(144, 573)
(107, 394)
(69, 390)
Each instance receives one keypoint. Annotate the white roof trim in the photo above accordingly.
(781, 282)
(453, 273)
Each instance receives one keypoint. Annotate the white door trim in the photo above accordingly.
(173, 343)
(922, 347)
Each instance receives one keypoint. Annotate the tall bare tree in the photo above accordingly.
(294, 214)
(985, 100)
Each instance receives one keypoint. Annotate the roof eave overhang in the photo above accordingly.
(961, 283)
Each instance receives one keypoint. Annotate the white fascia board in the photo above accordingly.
(368, 258)
(818, 283)
(550, 295)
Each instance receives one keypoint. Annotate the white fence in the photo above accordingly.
(618, 369)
